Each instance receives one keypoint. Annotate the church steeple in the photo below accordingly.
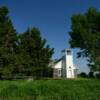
(67, 63)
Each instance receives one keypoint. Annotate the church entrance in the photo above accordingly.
(70, 74)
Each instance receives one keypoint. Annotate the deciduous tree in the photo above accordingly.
(85, 35)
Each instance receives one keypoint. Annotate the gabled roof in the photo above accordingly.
(54, 62)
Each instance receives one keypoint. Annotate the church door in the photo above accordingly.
(70, 74)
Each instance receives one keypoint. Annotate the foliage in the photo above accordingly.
(91, 75)
(7, 42)
(35, 54)
(50, 90)
(97, 75)
(85, 34)
(83, 74)
(24, 54)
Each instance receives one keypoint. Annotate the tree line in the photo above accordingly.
(28, 54)
(22, 54)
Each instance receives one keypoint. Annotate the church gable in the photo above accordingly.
(58, 64)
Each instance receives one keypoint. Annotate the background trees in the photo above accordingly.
(85, 34)
(22, 54)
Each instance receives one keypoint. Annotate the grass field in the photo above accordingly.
(80, 89)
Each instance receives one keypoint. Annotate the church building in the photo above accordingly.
(64, 67)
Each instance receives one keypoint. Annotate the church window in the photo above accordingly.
(68, 52)
(69, 67)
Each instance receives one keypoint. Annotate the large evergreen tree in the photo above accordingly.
(34, 53)
(24, 54)
(7, 42)
(85, 34)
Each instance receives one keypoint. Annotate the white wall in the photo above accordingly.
(69, 66)
(58, 65)
(57, 69)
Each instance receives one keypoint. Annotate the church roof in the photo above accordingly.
(54, 62)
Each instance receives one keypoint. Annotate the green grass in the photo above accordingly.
(79, 89)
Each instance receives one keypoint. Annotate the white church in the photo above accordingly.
(64, 67)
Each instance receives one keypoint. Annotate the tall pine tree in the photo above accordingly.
(7, 42)
(26, 54)
(34, 52)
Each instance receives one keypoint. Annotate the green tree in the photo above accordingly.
(23, 54)
(34, 53)
(85, 35)
(7, 42)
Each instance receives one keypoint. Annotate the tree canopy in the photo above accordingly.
(22, 54)
(35, 51)
(85, 35)
(7, 42)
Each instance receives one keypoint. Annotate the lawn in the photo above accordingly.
(63, 89)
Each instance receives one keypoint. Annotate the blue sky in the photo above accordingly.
(52, 17)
